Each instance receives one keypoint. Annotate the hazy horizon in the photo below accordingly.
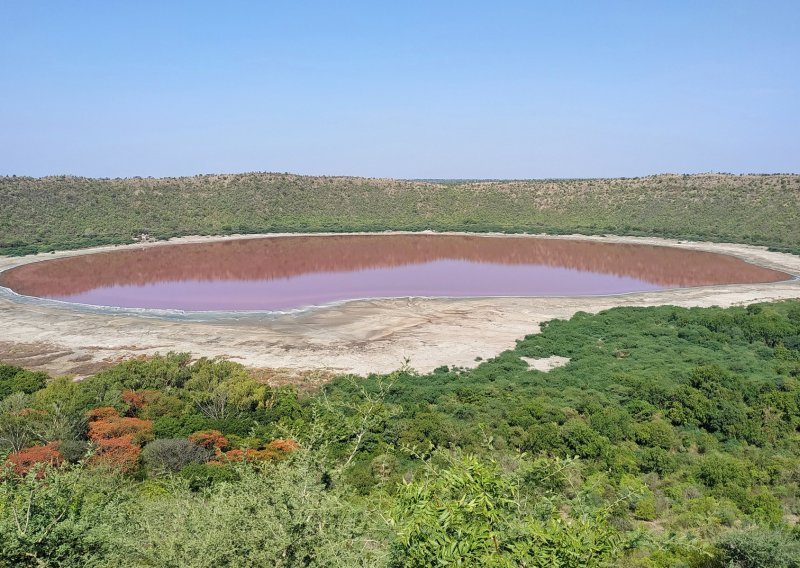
(429, 180)
(409, 91)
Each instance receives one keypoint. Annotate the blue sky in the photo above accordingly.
(399, 89)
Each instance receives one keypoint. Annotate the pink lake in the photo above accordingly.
(284, 273)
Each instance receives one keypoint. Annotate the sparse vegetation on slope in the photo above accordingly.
(43, 214)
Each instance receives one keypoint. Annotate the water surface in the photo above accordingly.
(283, 273)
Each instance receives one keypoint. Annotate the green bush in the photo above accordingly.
(759, 548)
(15, 379)
(73, 450)
(719, 469)
(203, 475)
(172, 455)
(470, 513)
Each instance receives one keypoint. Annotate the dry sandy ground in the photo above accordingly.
(357, 337)
(546, 364)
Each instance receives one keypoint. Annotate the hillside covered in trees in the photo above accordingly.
(671, 438)
(43, 214)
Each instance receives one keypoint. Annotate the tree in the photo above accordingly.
(57, 424)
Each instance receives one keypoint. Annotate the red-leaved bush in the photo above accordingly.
(138, 400)
(101, 413)
(117, 453)
(286, 446)
(140, 430)
(118, 438)
(210, 439)
(36, 457)
(105, 425)
(275, 450)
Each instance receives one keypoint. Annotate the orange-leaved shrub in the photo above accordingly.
(101, 413)
(115, 426)
(35, 457)
(117, 453)
(138, 400)
(210, 439)
(283, 445)
(118, 438)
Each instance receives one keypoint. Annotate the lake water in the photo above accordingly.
(284, 273)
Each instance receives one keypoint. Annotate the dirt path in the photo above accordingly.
(359, 337)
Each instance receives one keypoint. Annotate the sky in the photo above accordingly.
(432, 89)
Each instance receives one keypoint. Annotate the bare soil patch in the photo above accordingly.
(546, 364)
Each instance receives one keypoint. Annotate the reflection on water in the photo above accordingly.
(290, 272)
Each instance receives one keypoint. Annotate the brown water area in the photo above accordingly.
(284, 273)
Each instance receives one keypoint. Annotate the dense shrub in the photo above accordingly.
(105, 423)
(35, 458)
(203, 475)
(210, 439)
(172, 455)
(759, 548)
(117, 439)
(470, 513)
(15, 379)
(73, 450)
(155, 373)
(120, 454)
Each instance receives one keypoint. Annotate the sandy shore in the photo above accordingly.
(358, 337)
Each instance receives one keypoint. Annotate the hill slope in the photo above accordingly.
(40, 214)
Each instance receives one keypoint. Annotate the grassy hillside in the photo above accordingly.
(41, 214)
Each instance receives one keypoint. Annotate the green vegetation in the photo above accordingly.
(44, 214)
(672, 438)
